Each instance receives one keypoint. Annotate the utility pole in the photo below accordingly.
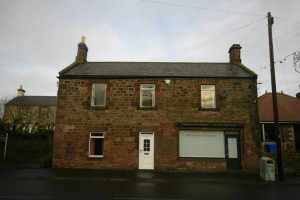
(281, 174)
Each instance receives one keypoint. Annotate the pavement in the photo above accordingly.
(31, 171)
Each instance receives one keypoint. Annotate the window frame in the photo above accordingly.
(93, 95)
(96, 137)
(202, 96)
(146, 89)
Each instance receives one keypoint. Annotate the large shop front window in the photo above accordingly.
(201, 144)
(96, 144)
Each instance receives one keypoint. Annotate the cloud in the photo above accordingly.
(39, 38)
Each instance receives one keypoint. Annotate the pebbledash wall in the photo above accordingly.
(177, 107)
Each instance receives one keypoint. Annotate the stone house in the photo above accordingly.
(157, 115)
(289, 120)
(28, 114)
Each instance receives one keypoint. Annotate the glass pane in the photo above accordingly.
(97, 134)
(147, 98)
(208, 87)
(99, 91)
(96, 146)
(269, 132)
(208, 144)
(208, 96)
(147, 86)
(146, 145)
(232, 148)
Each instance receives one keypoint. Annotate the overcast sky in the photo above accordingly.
(39, 37)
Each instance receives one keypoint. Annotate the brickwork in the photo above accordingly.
(122, 120)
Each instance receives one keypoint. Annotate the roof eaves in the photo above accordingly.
(248, 70)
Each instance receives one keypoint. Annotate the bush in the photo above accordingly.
(30, 147)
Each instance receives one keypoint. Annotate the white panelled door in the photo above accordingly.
(146, 150)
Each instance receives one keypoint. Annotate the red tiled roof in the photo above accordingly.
(288, 108)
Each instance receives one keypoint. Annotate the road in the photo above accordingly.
(24, 184)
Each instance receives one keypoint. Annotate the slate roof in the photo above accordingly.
(33, 101)
(288, 108)
(154, 69)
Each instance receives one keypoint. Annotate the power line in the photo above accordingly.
(200, 8)
(282, 63)
(203, 43)
(287, 20)
(247, 35)
(254, 28)
(215, 10)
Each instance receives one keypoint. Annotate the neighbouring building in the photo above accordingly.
(157, 115)
(289, 120)
(29, 114)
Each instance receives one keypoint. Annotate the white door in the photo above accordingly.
(146, 150)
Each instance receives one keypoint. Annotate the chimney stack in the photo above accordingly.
(82, 51)
(21, 91)
(235, 54)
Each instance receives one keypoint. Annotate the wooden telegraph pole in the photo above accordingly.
(281, 174)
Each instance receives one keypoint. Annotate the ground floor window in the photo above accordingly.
(268, 132)
(204, 144)
(297, 136)
(96, 144)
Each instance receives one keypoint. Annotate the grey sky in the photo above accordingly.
(39, 37)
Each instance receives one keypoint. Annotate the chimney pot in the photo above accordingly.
(21, 91)
(82, 39)
(235, 54)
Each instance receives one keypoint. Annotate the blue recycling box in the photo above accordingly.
(272, 148)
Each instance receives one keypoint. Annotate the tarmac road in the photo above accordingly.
(26, 181)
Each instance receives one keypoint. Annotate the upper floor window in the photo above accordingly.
(147, 95)
(24, 112)
(208, 96)
(98, 94)
(43, 112)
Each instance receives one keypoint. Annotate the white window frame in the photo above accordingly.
(203, 91)
(94, 91)
(147, 89)
(91, 136)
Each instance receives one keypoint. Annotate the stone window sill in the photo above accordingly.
(98, 108)
(209, 109)
(147, 108)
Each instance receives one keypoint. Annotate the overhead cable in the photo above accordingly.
(200, 8)
(203, 43)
